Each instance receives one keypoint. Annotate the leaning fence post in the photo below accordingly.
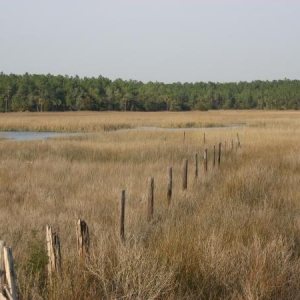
(150, 198)
(185, 174)
(53, 250)
(122, 219)
(205, 160)
(83, 238)
(170, 185)
(10, 273)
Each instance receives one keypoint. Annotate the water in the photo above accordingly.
(35, 136)
(32, 136)
(230, 126)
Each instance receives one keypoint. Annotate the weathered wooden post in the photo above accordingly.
(204, 141)
(150, 198)
(219, 154)
(8, 285)
(11, 288)
(184, 137)
(83, 239)
(2, 270)
(238, 141)
(185, 174)
(225, 147)
(196, 165)
(205, 160)
(214, 160)
(8, 282)
(231, 145)
(170, 185)
(53, 250)
(2, 297)
(122, 221)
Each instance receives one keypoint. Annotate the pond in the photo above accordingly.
(32, 136)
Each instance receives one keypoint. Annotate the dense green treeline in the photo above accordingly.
(61, 93)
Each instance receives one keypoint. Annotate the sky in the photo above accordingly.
(152, 40)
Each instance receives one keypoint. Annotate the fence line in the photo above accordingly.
(8, 283)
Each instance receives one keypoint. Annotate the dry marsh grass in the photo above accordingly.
(108, 121)
(234, 234)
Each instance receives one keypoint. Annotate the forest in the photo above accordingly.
(32, 92)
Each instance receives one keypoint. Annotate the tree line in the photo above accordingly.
(31, 92)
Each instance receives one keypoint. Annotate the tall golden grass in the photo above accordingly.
(233, 234)
(107, 121)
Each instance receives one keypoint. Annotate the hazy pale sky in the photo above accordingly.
(152, 40)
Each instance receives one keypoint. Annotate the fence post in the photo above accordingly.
(8, 282)
(150, 198)
(53, 250)
(170, 185)
(183, 136)
(2, 270)
(122, 221)
(231, 145)
(196, 164)
(214, 161)
(10, 273)
(219, 156)
(83, 238)
(238, 141)
(205, 160)
(185, 174)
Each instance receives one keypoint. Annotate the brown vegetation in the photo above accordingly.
(233, 234)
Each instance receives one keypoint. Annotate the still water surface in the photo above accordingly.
(32, 136)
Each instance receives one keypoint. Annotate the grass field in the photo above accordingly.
(95, 121)
(233, 234)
